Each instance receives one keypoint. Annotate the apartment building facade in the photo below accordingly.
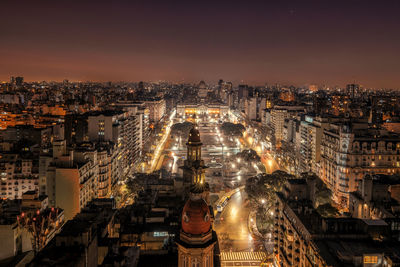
(349, 152)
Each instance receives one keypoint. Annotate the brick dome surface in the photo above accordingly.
(196, 217)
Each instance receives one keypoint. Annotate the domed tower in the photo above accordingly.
(197, 240)
(194, 168)
(203, 89)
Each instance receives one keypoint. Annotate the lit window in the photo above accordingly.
(370, 259)
(161, 234)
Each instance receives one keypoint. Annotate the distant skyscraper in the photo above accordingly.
(220, 87)
(203, 89)
(140, 86)
(243, 91)
(19, 81)
(353, 90)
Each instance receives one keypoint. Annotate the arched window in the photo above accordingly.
(195, 262)
(185, 261)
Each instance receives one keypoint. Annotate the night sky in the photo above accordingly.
(298, 42)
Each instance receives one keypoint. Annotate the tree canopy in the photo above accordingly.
(249, 155)
(182, 128)
(232, 129)
(133, 187)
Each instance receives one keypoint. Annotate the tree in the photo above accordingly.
(261, 190)
(39, 224)
(133, 187)
(232, 129)
(181, 129)
(289, 156)
(327, 210)
(249, 155)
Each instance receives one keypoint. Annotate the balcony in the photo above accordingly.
(290, 236)
(297, 253)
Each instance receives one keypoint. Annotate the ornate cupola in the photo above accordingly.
(194, 168)
(197, 240)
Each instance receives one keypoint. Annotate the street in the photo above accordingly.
(225, 172)
(231, 226)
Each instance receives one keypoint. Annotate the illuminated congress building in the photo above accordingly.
(187, 110)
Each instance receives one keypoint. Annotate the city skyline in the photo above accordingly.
(289, 43)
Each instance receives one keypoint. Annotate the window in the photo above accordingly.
(196, 262)
(160, 234)
(370, 259)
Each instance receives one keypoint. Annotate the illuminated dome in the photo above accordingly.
(196, 219)
(194, 136)
(202, 85)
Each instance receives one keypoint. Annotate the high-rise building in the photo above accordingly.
(156, 109)
(251, 108)
(76, 128)
(350, 151)
(278, 116)
(72, 177)
(304, 237)
(122, 128)
(311, 130)
(19, 174)
(353, 90)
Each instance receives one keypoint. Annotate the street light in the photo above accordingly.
(270, 163)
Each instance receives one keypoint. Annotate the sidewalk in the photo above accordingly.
(266, 239)
(252, 225)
